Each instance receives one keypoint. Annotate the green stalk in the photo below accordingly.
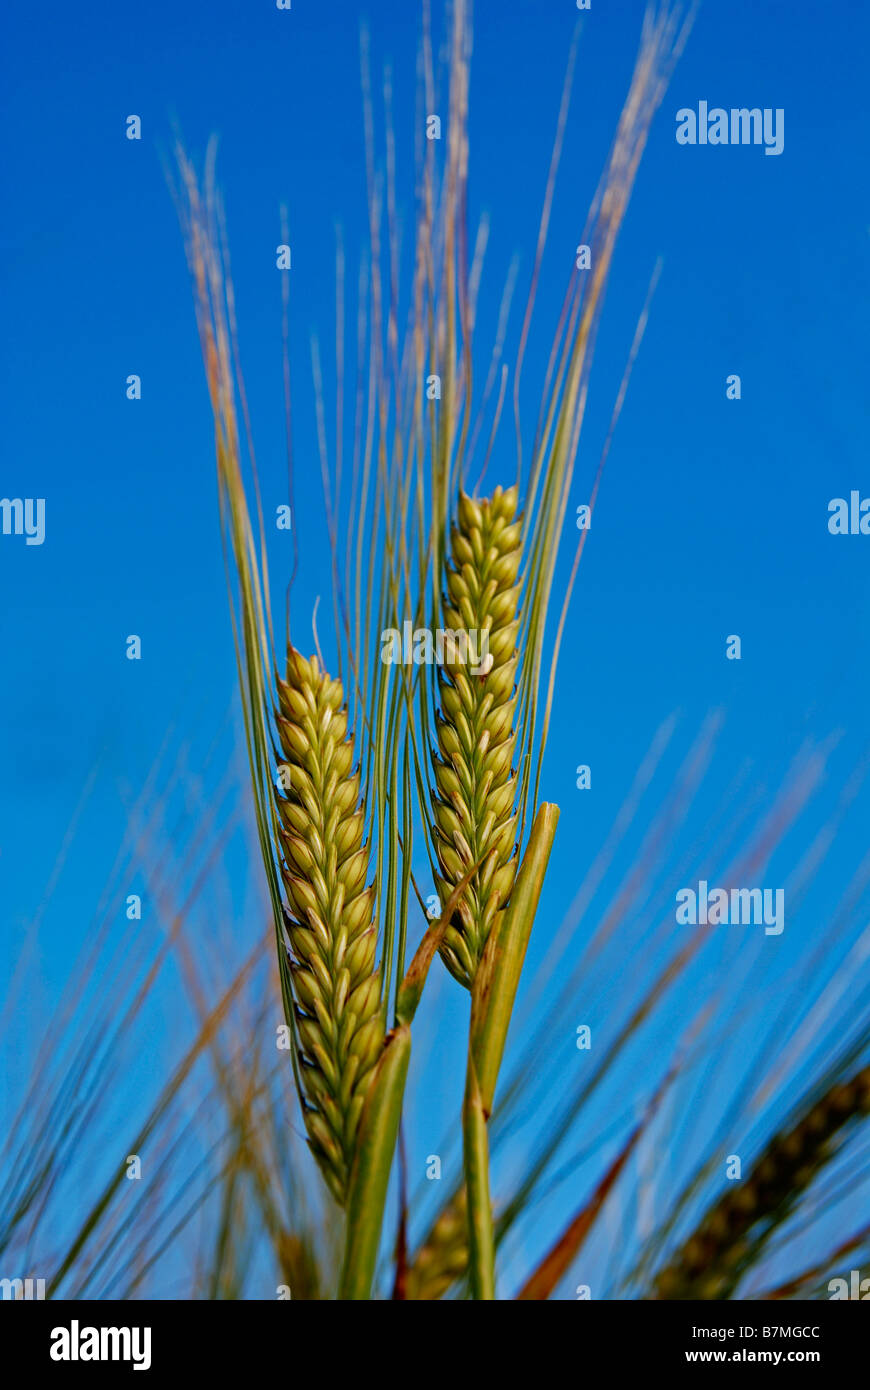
(381, 1116)
(481, 1237)
(379, 1129)
(497, 979)
(493, 994)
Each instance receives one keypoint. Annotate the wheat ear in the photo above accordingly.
(442, 1259)
(710, 1264)
(333, 940)
(474, 809)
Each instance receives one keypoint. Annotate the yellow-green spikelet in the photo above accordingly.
(442, 1259)
(476, 785)
(330, 908)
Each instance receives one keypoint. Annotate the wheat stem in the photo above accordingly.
(481, 1237)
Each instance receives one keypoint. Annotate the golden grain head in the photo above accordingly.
(474, 808)
(442, 1259)
(333, 940)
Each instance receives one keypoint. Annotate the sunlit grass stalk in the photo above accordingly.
(331, 989)
(475, 805)
(475, 822)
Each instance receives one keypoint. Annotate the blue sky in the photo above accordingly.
(712, 518)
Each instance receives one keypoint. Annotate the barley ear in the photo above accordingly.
(712, 1261)
(442, 1259)
(325, 868)
(474, 806)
